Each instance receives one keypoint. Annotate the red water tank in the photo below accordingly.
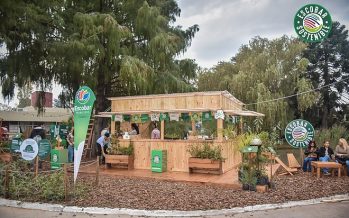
(47, 100)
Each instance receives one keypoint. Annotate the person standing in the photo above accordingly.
(70, 140)
(311, 155)
(325, 155)
(155, 134)
(102, 145)
(342, 153)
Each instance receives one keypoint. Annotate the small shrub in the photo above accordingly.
(116, 149)
(205, 151)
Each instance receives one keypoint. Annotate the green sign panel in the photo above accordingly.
(158, 161)
(63, 131)
(15, 145)
(312, 23)
(298, 133)
(44, 148)
(58, 157)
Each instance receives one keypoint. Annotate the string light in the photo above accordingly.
(297, 94)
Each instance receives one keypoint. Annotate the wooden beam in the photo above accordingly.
(112, 127)
(241, 125)
(220, 129)
(162, 132)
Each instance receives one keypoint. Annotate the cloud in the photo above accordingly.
(225, 25)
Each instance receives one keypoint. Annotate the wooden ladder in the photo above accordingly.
(89, 139)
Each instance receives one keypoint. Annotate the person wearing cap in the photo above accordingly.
(102, 145)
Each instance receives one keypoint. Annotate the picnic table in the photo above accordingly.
(316, 167)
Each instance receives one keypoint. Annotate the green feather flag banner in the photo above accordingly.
(83, 105)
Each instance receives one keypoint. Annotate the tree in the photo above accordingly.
(329, 63)
(24, 96)
(122, 47)
(262, 71)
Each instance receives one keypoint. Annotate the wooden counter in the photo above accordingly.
(177, 154)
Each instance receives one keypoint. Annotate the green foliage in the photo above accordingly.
(116, 149)
(264, 70)
(176, 129)
(331, 134)
(328, 63)
(45, 187)
(249, 177)
(205, 151)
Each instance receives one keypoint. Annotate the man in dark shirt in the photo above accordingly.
(325, 155)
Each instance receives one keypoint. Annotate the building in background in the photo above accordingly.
(24, 119)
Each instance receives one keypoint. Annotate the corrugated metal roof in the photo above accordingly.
(28, 115)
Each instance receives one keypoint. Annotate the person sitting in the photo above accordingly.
(135, 129)
(311, 155)
(155, 134)
(342, 153)
(325, 154)
(102, 145)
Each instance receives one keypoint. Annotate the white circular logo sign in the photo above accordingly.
(29, 149)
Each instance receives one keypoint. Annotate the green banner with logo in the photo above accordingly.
(83, 105)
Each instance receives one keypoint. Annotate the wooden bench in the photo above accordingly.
(316, 167)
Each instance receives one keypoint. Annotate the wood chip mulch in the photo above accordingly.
(151, 194)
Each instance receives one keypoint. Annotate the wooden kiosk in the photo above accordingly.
(194, 102)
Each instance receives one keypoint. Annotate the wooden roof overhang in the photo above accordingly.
(178, 103)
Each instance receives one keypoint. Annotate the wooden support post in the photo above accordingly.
(112, 127)
(36, 166)
(7, 183)
(193, 127)
(220, 129)
(97, 170)
(65, 170)
(241, 124)
(162, 133)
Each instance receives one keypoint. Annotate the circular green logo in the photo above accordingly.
(312, 23)
(298, 133)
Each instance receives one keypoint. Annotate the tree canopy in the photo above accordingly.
(264, 70)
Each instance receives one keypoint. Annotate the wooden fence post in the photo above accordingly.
(7, 182)
(36, 166)
(65, 182)
(97, 170)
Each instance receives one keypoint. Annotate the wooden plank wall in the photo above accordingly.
(167, 103)
(177, 155)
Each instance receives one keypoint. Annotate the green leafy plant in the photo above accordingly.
(205, 151)
(116, 149)
(331, 134)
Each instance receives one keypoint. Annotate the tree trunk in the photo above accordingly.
(324, 123)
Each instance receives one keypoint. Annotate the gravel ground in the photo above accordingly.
(136, 193)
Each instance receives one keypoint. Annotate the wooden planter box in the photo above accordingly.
(197, 165)
(120, 161)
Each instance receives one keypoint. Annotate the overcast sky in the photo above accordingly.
(227, 24)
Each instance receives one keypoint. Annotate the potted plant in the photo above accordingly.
(249, 180)
(120, 156)
(262, 181)
(206, 158)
